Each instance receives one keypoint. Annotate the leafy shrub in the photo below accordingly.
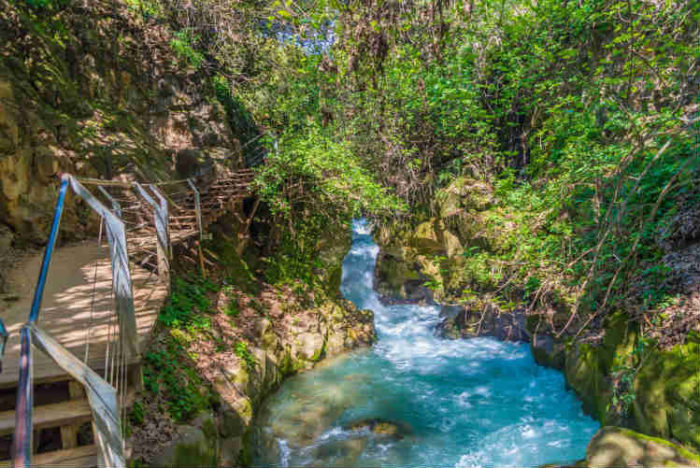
(185, 393)
(184, 45)
(189, 304)
(241, 350)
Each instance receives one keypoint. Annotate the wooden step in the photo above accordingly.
(79, 457)
(54, 415)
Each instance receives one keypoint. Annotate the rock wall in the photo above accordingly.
(288, 338)
(93, 88)
(653, 391)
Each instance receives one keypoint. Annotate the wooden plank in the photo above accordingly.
(69, 436)
(69, 433)
(79, 457)
(53, 415)
(68, 310)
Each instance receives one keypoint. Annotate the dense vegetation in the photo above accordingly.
(572, 127)
(559, 139)
(580, 116)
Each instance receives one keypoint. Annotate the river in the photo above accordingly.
(414, 399)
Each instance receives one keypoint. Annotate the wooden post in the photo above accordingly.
(69, 433)
(200, 225)
(162, 215)
(163, 263)
(160, 220)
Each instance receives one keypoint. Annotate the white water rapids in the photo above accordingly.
(414, 399)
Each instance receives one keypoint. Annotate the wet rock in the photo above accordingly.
(396, 280)
(547, 352)
(380, 427)
(425, 239)
(617, 447)
(464, 322)
(341, 452)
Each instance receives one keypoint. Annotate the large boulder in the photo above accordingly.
(616, 447)
(465, 322)
(194, 445)
(396, 279)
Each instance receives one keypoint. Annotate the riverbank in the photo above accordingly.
(229, 367)
(225, 342)
(630, 369)
(414, 399)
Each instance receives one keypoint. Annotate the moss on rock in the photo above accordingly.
(667, 391)
(616, 447)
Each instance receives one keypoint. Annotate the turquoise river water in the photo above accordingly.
(414, 399)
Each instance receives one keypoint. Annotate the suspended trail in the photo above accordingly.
(418, 400)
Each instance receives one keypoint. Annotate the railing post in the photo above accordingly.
(3, 341)
(197, 208)
(200, 225)
(50, 245)
(164, 232)
(115, 204)
(22, 439)
(160, 218)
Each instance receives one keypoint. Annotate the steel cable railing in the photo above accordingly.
(187, 208)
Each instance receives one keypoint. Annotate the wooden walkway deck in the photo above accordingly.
(78, 309)
(78, 274)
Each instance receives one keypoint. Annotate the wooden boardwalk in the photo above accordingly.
(78, 306)
(77, 302)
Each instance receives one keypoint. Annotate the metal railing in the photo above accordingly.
(165, 201)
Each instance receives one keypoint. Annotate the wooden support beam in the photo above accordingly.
(69, 432)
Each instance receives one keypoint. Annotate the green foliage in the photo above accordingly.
(232, 309)
(624, 372)
(168, 372)
(313, 172)
(46, 4)
(184, 44)
(147, 8)
(136, 414)
(189, 305)
(239, 118)
(241, 350)
(292, 263)
(311, 183)
(623, 392)
(238, 270)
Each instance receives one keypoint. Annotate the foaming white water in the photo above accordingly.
(284, 452)
(462, 403)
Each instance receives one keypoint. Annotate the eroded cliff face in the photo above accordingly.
(94, 89)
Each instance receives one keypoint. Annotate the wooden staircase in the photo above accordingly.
(58, 418)
(62, 419)
(215, 200)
